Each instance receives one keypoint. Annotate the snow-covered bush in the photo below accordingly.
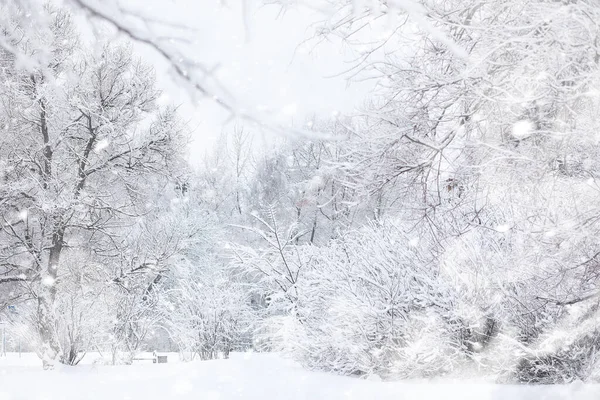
(208, 316)
(82, 322)
(374, 302)
(568, 351)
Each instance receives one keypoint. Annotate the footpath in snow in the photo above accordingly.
(244, 376)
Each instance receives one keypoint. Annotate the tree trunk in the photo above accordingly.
(50, 349)
(47, 328)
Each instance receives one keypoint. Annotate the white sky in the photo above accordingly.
(266, 68)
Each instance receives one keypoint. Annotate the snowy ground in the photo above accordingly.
(245, 376)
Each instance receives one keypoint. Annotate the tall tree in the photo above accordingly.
(84, 146)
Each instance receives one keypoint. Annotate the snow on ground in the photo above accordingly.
(245, 376)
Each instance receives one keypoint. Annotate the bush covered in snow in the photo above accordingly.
(370, 303)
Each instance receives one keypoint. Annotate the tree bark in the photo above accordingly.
(46, 302)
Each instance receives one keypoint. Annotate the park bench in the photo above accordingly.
(156, 359)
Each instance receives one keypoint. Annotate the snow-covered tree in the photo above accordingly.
(84, 145)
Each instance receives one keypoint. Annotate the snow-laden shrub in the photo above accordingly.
(208, 316)
(568, 352)
(82, 310)
(373, 302)
(572, 362)
(81, 320)
(518, 278)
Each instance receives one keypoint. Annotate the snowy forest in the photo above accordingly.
(448, 227)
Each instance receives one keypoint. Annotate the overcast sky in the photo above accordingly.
(261, 61)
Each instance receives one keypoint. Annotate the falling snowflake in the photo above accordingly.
(522, 129)
(103, 144)
(503, 228)
(550, 233)
(23, 215)
(48, 281)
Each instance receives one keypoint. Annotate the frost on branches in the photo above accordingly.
(480, 149)
(447, 229)
(84, 146)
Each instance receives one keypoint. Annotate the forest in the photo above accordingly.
(448, 227)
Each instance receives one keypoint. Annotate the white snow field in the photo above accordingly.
(245, 376)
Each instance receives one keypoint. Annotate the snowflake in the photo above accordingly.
(503, 228)
(522, 129)
(103, 144)
(48, 281)
(23, 214)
